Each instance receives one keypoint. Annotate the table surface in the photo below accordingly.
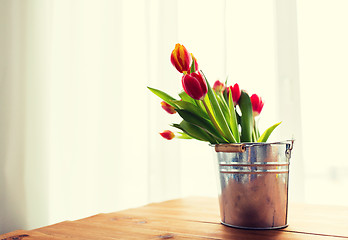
(191, 218)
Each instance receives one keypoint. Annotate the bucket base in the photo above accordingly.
(254, 228)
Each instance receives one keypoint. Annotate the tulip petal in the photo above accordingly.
(168, 108)
(181, 58)
(257, 104)
(236, 93)
(167, 134)
(194, 85)
(218, 86)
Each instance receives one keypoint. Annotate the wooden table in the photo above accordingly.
(191, 218)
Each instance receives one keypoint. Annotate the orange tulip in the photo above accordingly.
(181, 58)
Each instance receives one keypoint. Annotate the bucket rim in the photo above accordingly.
(249, 144)
(241, 147)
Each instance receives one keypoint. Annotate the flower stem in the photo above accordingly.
(256, 129)
(254, 136)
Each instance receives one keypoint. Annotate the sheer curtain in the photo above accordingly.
(79, 129)
(323, 53)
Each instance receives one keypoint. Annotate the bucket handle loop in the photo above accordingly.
(230, 147)
(288, 150)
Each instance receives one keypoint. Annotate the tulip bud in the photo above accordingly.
(218, 86)
(181, 58)
(168, 108)
(167, 134)
(194, 85)
(257, 104)
(236, 92)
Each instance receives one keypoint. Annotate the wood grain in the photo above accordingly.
(191, 218)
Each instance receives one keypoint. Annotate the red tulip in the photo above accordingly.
(257, 104)
(169, 109)
(194, 85)
(181, 58)
(167, 134)
(218, 86)
(235, 93)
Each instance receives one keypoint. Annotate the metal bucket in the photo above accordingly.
(253, 184)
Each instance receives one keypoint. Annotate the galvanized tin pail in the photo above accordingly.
(253, 184)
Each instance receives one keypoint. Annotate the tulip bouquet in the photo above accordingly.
(216, 115)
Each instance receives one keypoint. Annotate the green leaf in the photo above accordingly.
(200, 122)
(187, 132)
(177, 126)
(246, 121)
(197, 132)
(183, 135)
(220, 119)
(191, 108)
(193, 67)
(194, 131)
(224, 107)
(201, 106)
(233, 119)
(164, 96)
(267, 133)
(185, 97)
